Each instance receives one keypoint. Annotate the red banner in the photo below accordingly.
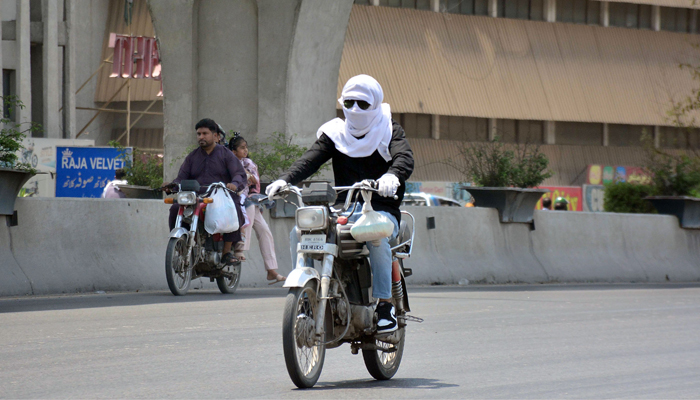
(571, 193)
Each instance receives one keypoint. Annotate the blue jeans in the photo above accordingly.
(379, 257)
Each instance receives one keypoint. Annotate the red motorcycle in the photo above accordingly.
(192, 252)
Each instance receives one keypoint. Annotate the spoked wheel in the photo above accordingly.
(383, 365)
(302, 353)
(177, 270)
(228, 285)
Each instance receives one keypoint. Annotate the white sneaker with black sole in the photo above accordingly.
(386, 318)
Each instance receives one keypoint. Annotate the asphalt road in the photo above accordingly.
(629, 341)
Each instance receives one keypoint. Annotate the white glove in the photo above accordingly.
(275, 187)
(388, 184)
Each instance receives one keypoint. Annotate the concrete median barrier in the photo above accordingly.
(82, 245)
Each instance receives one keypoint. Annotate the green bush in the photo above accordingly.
(12, 134)
(675, 176)
(624, 197)
(142, 169)
(274, 157)
(492, 164)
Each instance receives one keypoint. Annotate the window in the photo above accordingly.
(521, 9)
(627, 135)
(415, 125)
(680, 138)
(578, 11)
(8, 89)
(416, 4)
(678, 19)
(520, 131)
(468, 7)
(422, 4)
(505, 130)
(530, 132)
(579, 133)
(627, 15)
(462, 129)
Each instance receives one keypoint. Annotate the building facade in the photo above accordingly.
(584, 79)
(56, 59)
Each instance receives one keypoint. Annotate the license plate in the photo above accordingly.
(312, 242)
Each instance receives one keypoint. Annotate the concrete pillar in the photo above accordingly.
(435, 127)
(175, 24)
(656, 18)
(493, 129)
(314, 64)
(493, 8)
(435, 5)
(24, 65)
(606, 135)
(69, 116)
(550, 10)
(549, 132)
(374, 2)
(276, 21)
(604, 13)
(657, 136)
(49, 17)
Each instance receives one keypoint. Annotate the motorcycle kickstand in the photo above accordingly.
(406, 318)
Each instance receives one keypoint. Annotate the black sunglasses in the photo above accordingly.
(360, 103)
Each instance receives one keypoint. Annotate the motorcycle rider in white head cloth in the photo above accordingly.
(366, 145)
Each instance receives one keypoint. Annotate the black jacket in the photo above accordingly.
(348, 170)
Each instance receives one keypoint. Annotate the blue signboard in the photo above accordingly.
(84, 171)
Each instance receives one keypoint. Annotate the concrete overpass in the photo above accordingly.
(260, 66)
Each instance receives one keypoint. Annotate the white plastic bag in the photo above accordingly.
(221, 215)
(371, 226)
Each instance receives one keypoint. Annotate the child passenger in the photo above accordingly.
(239, 147)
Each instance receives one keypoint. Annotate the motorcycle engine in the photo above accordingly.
(214, 257)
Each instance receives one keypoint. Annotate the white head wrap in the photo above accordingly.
(364, 131)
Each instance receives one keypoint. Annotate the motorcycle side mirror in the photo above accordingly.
(189, 186)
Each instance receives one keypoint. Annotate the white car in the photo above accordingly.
(429, 200)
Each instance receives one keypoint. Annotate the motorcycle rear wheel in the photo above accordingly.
(381, 365)
(229, 285)
(304, 363)
(177, 271)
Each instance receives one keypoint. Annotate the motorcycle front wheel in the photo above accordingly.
(177, 271)
(382, 365)
(229, 285)
(303, 355)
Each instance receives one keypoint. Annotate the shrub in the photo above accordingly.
(493, 164)
(674, 175)
(273, 158)
(142, 169)
(12, 134)
(624, 197)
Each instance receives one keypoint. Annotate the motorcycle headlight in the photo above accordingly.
(187, 198)
(312, 218)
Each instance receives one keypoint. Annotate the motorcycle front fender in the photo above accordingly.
(179, 232)
(300, 276)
